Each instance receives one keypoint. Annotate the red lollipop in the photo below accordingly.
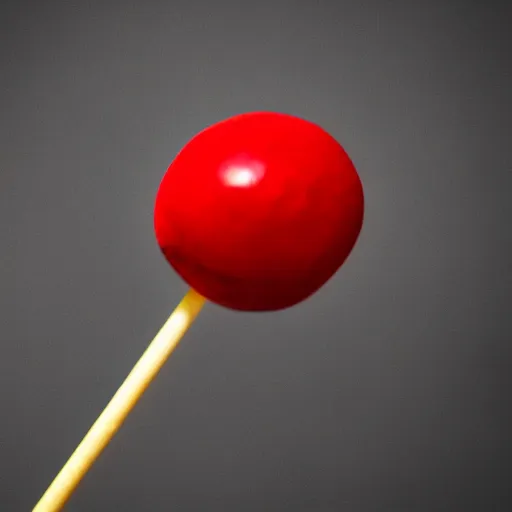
(258, 211)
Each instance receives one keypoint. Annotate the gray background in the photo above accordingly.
(386, 391)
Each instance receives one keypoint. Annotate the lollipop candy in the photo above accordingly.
(255, 213)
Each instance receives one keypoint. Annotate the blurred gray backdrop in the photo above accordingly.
(386, 391)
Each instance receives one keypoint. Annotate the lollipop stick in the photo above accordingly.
(121, 404)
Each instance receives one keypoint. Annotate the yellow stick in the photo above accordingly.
(121, 404)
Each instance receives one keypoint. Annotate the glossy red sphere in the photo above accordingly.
(258, 211)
